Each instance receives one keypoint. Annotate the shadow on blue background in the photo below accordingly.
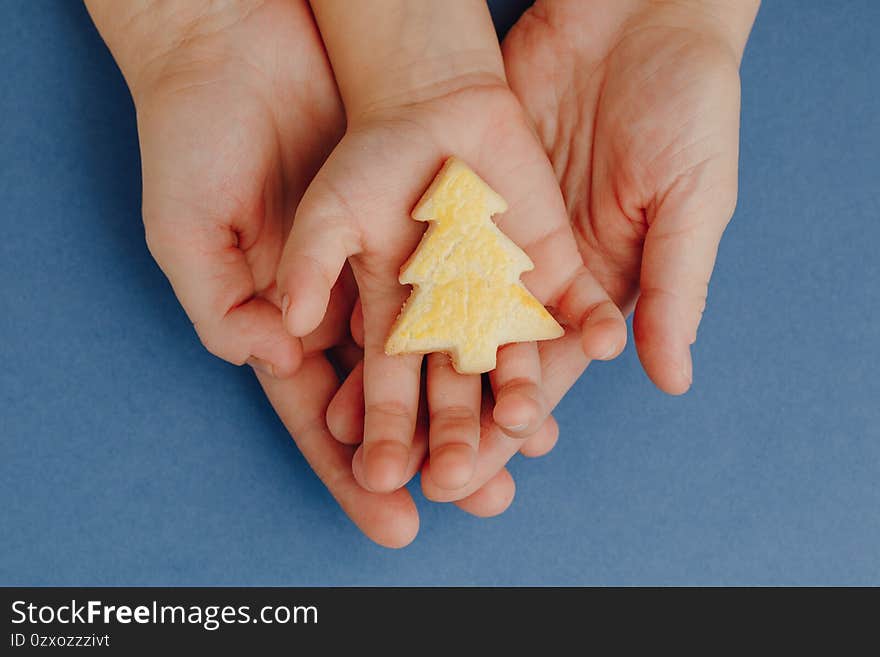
(130, 456)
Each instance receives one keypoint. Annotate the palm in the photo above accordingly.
(377, 173)
(358, 206)
(639, 115)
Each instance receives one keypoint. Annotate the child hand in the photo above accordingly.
(438, 103)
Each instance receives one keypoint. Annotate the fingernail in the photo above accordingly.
(611, 353)
(261, 366)
(285, 304)
(518, 427)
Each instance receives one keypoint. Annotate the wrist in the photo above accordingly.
(731, 20)
(142, 34)
(390, 54)
(421, 85)
(726, 22)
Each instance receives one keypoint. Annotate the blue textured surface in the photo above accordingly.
(128, 455)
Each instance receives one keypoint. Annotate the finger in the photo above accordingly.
(356, 325)
(542, 441)
(602, 325)
(345, 414)
(391, 392)
(417, 452)
(388, 519)
(560, 278)
(677, 261)
(212, 279)
(391, 389)
(562, 362)
(454, 427)
(320, 240)
(520, 406)
(492, 499)
(333, 328)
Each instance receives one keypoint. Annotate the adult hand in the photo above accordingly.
(637, 104)
(236, 110)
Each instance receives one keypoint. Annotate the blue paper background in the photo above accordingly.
(128, 455)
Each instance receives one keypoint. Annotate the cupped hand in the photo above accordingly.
(235, 116)
(237, 109)
(637, 104)
(357, 208)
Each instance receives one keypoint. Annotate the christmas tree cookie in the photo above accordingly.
(467, 298)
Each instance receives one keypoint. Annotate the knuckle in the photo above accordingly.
(690, 300)
(324, 205)
(162, 235)
(320, 270)
(522, 385)
(605, 309)
(453, 417)
(214, 341)
(390, 409)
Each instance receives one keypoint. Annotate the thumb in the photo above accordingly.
(320, 241)
(212, 279)
(677, 262)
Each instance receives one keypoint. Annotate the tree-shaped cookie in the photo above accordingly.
(467, 298)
